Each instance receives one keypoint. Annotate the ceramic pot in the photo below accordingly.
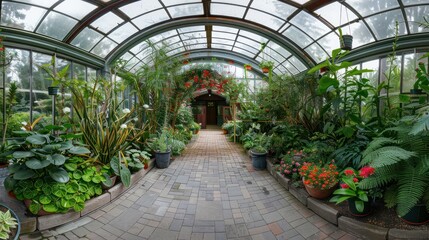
(346, 42)
(319, 193)
(162, 159)
(259, 160)
(417, 215)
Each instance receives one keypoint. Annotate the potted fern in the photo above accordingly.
(400, 156)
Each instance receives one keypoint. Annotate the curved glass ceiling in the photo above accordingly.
(100, 27)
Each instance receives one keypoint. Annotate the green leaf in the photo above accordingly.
(359, 205)
(34, 207)
(9, 183)
(59, 175)
(114, 164)
(51, 208)
(45, 199)
(349, 181)
(347, 131)
(37, 164)
(125, 176)
(70, 166)
(77, 174)
(20, 154)
(51, 147)
(24, 173)
(344, 191)
(79, 150)
(36, 139)
(404, 98)
(66, 203)
(78, 206)
(98, 191)
(87, 178)
(108, 181)
(66, 145)
(96, 179)
(325, 83)
(58, 159)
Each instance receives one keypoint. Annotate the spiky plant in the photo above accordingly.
(7, 222)
(401, 159)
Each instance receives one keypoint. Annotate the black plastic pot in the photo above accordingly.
(346, 42)
(18, 227)
(366, 208)
(259, 160)
(416, 91)
(162, 159)
(52, 90)
(417, 215)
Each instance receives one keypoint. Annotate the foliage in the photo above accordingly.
(350, 188)
(10, 102)
(400, 156)
(162, 143)
(177, 147)
(289, 165)
(422, 76)
(261, 142)
(136, 158)
(7, 222)
(319, 176)
(266, 64)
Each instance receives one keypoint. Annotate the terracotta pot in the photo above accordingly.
(249, 68)
(265, 70)
(4, 165)
(146, 166)
(319, 193)
(11, 194)
(225, 131)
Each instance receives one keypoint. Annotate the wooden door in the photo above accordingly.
(211, 113)
(201, 117)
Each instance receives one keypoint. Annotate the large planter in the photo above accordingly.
(162, 159)
(16, 231)
(366, 208)
(346, 42)
(259, 160)
(319, 193)
(417, 215)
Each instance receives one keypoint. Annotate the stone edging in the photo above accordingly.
(53, 220)
(364, 230)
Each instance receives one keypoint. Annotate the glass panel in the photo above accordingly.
(56, 25)
(174, 2)
(132, 63)
(139, 47)
(61, 63)
(301, 1)
(104, 47)
(411, 62)
(372, 76)
(225, 29)
(383, 24)
(316, 52)
(361, 34)
(415, 16)
(229, 36)
(330, 42)
(253, 36)
(92, 73)
(247, 48)
(186, 10)
(238, 2)
(127, 56)
(277, 71)
(195, 41)
(222, 41)
(243, 51)
(275, 55)
(279, 49)
(297, 63)
(196, 46)
(277, 8)
(192, 35)
(162, 36)
(87, 39)
(75, 8)
(221, 46)
(297, 36)
(411, 2)
(151, 18)
(333, 11)
(172, 40)
(43, 3)
(42, 102)
(18, 71)
(227, 10)
(310, 25)
(191, 29)
(140, 7)
(79, 71)
(292, 69)
(264, 19)
(366, 8)
(107, 22)
(123, 32)
(143, 54)
(249, 42)
(175, 51)
(21, 16)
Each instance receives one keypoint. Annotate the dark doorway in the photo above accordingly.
(208, 109)
(211, 113)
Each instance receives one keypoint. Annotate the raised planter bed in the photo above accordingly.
(32, 223)
(345, 223)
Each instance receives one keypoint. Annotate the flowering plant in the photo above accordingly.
(319, 177)
(290, 164)
(350, 187)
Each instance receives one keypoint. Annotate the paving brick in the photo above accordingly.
(53, 220)
(95, 203)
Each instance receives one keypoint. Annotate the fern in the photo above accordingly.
(379, 142)
(387, 156)
(381, 178)
(390, 198)
(421, 125)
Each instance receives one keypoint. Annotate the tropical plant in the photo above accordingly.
(290, 164)
(177, 147)
(135, 159)
(400, 156)
(422, 76)
(261, 142)
(266, 64)
(7, 222)
(162, 143)
(350, 187)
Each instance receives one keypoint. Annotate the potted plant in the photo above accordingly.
(266, 66)
(358, 200)
(346, 41)
(248, 67)
(400, 156)
(57, 78)
(319, 181)
(10, 226)
(422, 81)
(161, 147)
(259, 150)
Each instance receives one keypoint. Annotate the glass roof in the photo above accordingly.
(304, 29)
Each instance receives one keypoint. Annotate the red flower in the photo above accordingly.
(349, 172)
(355, 180)
(206, 73)
(343, 185)
(366, 171)
(188, 84)
(196, 79)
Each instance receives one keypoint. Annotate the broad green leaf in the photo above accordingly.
(51, 147)
(70, 166)
(77, 174)
(125, 176)
(78, 206)
(9, 183)
(36, 163)
(34, 207)
(326, 82)
(24, 173)
(404, 98)
(58, 159)
(59, 175)
(51, 208)
(79, 150)
(87, 178)
(348, 131)
(359, 205)
(66, 145)
(21, 154)
(344, 191)
(98, 191)
(36, 139)
(45, 199)
(108, 181)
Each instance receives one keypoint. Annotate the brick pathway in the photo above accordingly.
(210, 192)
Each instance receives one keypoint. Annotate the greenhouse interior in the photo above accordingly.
(214, 119)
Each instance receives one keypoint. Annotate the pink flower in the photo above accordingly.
(366, 171)
(349, 172)
(343, 185)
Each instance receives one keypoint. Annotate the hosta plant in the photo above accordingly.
(7, 222)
